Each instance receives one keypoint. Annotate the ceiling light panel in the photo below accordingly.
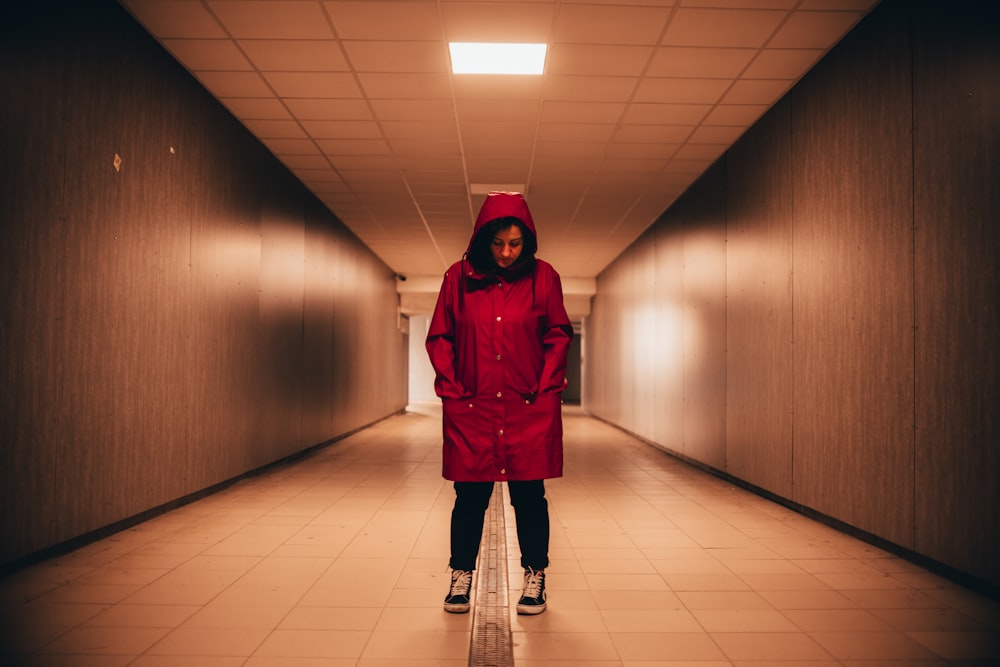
(497, 58)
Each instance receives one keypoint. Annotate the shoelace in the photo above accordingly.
(461, 581)
(533, 583)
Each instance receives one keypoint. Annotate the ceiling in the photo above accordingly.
(637, 99)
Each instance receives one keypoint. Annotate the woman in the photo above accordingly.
(498, 341)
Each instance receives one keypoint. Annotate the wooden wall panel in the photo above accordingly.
(628, 340)
(704, 218)
(759, 304)
(610, 344)
(668, 391)
(645, 338)
(318, 392)
(853, 268)
(957, 210)
(158, 320)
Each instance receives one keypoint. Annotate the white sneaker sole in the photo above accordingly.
(529, 610)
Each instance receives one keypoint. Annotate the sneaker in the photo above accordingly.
(533, 596)
(457, 600)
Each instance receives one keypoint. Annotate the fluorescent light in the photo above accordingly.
(496, 58)
(486, 188)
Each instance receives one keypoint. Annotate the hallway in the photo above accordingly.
(338, 559)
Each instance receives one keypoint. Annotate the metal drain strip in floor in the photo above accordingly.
(491, 641)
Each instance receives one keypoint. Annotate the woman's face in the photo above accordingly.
(506, 246)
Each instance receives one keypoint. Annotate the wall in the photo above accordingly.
(171, 325)
(421, 372)
(817, 315)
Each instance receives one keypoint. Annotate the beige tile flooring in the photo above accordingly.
(340, 560)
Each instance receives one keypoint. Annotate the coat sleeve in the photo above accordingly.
(440, 342)
(556, 340)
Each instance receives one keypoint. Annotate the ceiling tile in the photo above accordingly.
(660, 134)
(423, 147)
(273, 19)
(735, 114)
(416, 162)
(397, 56)
(322, 189)
(629, 166)
(756, 92)
(329, 109)
(291, 146)
(497, 21)
(342, 129)
(234, 84)
(385, 20)
(717, 134)
(551, 168)
(842, 5)
(496, 87)
(443, 130)
(208, 54)
(665, 114)
(268, 108)
(582, 112)
(275, 129)
(313, 84)
(319, 175)
(353, 146)
(782, 63)
(381, 85)
(423, 177)
(680, 61)
(361, 180)
(498, 147)
(689, 167)
(599, 59)
(496, 111)
(412, 109)
(743, 4)
(814, 30)
(640, 151)
(304, 161)
(183, 18)
(565, 131)
(600, 24)
(481, 131)
(359, 162)
(588, 88)
(569, 150)
(722, 27)
(285, 55)
(706, 152)
(681, 91)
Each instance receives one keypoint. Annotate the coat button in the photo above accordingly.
(500, 432)
(499, 394)
(503, 471)
(498, 357)
(499, 318)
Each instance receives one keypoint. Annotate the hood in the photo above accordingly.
(504, 205)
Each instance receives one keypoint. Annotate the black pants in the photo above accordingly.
(531, 512)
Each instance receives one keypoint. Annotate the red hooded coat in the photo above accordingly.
(498, 345)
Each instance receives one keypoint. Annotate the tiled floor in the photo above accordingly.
(340, 560)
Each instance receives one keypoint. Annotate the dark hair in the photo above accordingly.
(480, 255)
